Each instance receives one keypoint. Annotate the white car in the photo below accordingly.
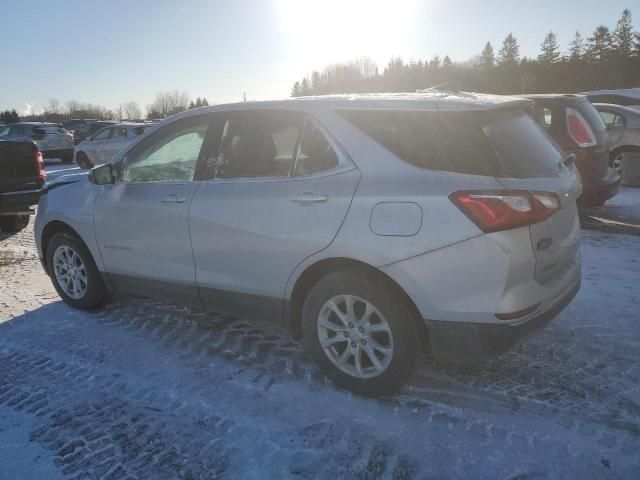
(363, 224)
(105, 143)
(51, 138)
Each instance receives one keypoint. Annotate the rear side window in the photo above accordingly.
(501, 143)
(272, 144)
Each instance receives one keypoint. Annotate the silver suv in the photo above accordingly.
(51, 138)
(363, 224)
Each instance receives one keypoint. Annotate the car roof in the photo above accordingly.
(615, 107)
(565, 98)
(38, 124)
(430, 100)
(631, 93)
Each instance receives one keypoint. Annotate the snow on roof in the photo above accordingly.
(421, 100)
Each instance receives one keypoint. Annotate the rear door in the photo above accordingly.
(530, 160)
(276, 190)
(116, 142)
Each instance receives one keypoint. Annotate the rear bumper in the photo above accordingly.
(461, 342)
(13, 203)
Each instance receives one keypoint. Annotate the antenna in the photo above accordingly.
(244, 96)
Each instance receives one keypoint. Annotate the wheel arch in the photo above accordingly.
(52, 228)
(624, 148)
(314, 272)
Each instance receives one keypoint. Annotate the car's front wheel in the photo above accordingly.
(83, 161)
(360, 331)
(74, 273)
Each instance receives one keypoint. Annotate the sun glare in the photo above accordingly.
(326, 31)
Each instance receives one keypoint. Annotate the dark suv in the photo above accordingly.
(579, 129)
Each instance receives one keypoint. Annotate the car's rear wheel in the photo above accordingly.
(360, 331)
(74, 273)
(83, 160)
(13, 223)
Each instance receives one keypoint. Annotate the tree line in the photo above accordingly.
(607, 59)
(164, 105)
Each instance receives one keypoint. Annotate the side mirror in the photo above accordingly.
(102, 175)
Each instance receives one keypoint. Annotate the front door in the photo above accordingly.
(280, 194)
(141, 222)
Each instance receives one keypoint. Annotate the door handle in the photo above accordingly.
(307, 198)
(173, 198)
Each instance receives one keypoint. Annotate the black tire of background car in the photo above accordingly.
(96, 293)
(83, 161)
(13, 223)
(391, 305)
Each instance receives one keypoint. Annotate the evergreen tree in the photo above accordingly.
(198, 102)
(191, 105)
(487, 58)
(550, 50)
(446, 61)
(433, 63)
(205, 103)
(623, 35)
(304, 88)
(295, 91)
(576, 48)
(510, 51)
(599, 46)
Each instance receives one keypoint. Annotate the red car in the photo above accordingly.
(578, 128)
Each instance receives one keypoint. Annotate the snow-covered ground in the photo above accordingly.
(143, 389)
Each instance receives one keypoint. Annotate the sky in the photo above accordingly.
(116, 51)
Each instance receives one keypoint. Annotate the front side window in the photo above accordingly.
(4, 131)
(169, 154)
(119, 132)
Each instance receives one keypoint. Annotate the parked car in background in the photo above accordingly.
(74, 123)
(629, 97)
(623, 124)
(84, 131)
(52, 139)
(578, 128)
(104, 144)
(364, 224)
(22, 176)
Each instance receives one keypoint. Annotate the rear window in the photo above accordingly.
(49, 130)
(506, 144)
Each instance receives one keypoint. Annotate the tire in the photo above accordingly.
(94, 292)
(13, 223)
(83, 160)
(390, 309)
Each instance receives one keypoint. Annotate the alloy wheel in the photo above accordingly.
(355, 336)
(70, 272)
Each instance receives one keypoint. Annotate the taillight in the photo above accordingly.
(42, 174)
(579, 129)
(494, 211)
